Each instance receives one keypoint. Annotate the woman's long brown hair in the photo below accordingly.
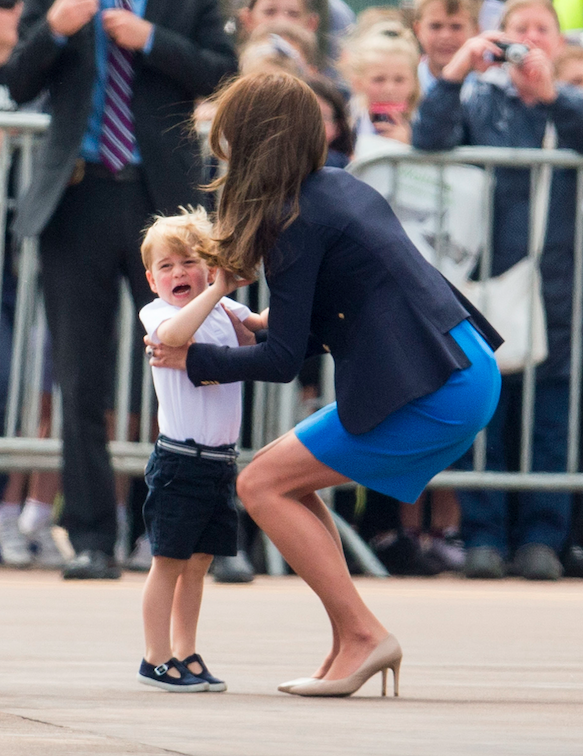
(269, 130)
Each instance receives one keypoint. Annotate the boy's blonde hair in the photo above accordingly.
(513, 5)
(189, 232)
(471, 7)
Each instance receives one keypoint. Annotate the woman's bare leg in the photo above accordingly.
(317, 506)
(272, 489)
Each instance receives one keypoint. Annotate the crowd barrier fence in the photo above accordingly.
(275, 407)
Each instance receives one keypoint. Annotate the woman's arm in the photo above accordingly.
(292, 288)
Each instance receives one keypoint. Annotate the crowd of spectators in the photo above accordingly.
(428, 74)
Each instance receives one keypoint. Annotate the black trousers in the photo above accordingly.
(92, 240)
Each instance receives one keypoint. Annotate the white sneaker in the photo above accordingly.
(49, 556)
(140, 559)
(34, 517)
(13, 545)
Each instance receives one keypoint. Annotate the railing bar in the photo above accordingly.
(5, 143)
(528, 380)
(576, 335)
(124, 364)
(34, 377)
(481, 442)
(147, 401)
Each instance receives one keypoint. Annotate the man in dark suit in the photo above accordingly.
(122, 77)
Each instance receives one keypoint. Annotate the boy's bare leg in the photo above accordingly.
(158, 598)
(186, 608)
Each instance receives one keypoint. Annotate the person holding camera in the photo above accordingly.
(514, 104)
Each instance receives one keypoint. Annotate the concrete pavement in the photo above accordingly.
(490, 668)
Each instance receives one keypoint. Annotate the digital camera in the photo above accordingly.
(511, 52)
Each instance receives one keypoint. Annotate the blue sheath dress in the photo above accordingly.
(401, 455)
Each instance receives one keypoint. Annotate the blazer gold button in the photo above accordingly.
(341, 315)
(326, 347)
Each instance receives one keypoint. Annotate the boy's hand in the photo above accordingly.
(245, 337)
(534, 79)
(164, 356)
(227, 282)
(472, 56)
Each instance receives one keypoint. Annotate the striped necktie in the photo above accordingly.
(117, 130)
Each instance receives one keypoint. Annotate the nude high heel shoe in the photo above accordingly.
(387, 655)
(287, 686)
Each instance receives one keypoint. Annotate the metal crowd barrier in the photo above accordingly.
(275, 408)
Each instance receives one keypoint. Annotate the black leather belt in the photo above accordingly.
(129, 173)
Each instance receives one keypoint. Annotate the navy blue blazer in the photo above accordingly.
(345, 273)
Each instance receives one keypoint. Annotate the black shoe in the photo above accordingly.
(484, 562)
(535, 561)
(159, 677)
(237, 569)
(92, 565)
(215, 685)
(403, 555)
(573, 562)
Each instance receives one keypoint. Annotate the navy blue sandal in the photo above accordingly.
(158, 676)
(214, 684)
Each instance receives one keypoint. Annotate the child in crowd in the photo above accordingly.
(569, 66)
(190, 509)
(442, 27)
(281, 45)
(260, 12)
(381, 67)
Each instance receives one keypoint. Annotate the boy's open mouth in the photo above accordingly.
(181, 289)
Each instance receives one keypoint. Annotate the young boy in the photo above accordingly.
(190, 510)
(442, 27)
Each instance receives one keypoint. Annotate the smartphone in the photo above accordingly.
(385, 112)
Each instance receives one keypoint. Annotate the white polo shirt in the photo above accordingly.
(211, 415)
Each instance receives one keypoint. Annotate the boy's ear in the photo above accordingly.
(151, 281)
(212, 275)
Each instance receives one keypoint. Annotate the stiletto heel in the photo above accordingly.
(396, 673)
(387, 655)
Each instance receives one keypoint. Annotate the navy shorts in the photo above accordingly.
(190, 507)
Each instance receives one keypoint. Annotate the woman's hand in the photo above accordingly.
(164, 356)
(245, 337)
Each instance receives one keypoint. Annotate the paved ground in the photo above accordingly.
(489, 669)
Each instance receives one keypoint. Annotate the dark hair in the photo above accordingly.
(269, 129)
(328, 91)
